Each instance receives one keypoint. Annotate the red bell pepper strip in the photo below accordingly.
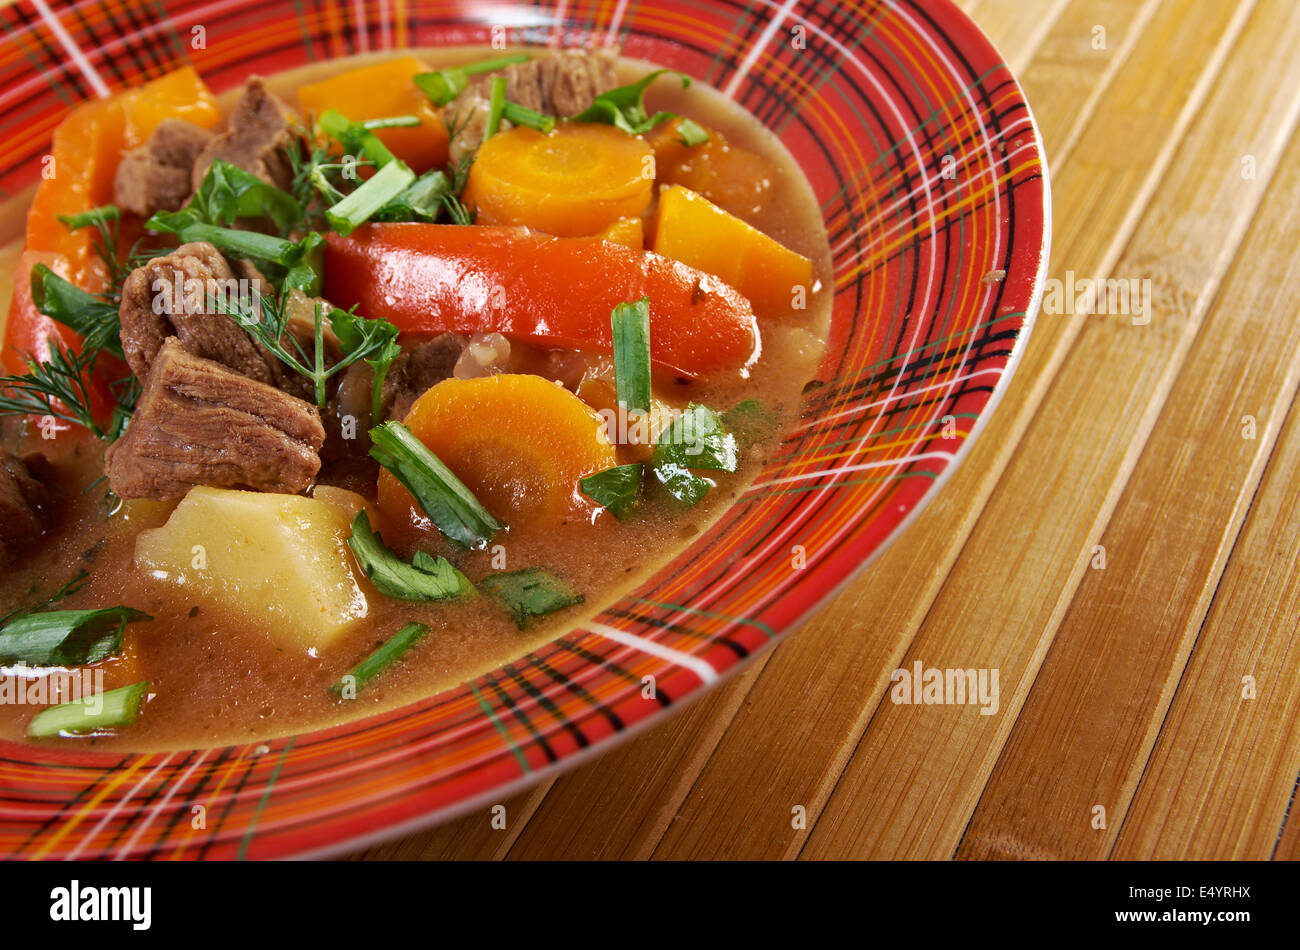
(431, 278)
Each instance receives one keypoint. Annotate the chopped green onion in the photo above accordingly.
(631, 326)
(615, 488)
(421, 200)
(691, 133)
(93, 319)
(66, 637)
(264, 247)
(425, 578)
(522, 115)
(92, 218)
(496, 106)
(357, 208)
(378, 661)
(355, 137)
(681, 483)
(67, 590)
(117, 707)
(532, 592)
(392, 122)
(446, 84)
(697, 439)
(624, 106)
(445, 499)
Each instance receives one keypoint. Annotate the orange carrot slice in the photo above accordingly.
(520, 443)
(576, 181)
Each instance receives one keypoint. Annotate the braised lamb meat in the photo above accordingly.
(157, 175)
(562, 85)
(200, 423)
(258, 132)
(177, 295)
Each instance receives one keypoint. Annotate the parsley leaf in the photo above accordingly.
(530, 593)
(624, 106)
(425, 578)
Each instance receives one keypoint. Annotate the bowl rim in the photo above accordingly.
(379, 831)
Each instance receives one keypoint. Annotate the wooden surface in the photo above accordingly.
(1121, 544)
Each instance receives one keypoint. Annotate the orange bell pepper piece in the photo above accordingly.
(697, 232)
(382, 91)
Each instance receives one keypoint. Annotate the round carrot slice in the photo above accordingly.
(519, 443)
(576, 181)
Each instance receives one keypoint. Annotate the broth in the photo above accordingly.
(217, 680)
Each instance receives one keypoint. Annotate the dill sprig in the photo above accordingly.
(55, 387)
(267, 322)
(106, 220)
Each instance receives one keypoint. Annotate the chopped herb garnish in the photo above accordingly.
(306, 271)
(378, 661)
(446, 84)
(696, 439)
(254, 244)
(615, 488)
(92, 218)
(227, 194)
(117, 707)
(106, 220)
(267, 321)
(631, 326)
(624, 106)
(691, 133)
(391, 180)
(67, 590)
(425, 578)
(445, 499)
(89, 316)
(496, 106)
(355, 137)
(528, 118)
(421, 200)
(66, 637)
(392, 122)
(54, 387)
(681, 483)
(381, 363)
(530, 593)
(750, 421)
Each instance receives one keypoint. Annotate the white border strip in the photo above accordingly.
(693, 663)
(71, 48)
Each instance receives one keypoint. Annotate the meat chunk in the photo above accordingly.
(418, 369)
(199, 423)
(180, 294)
(25, 502)
(156, 176)
(258, 131)
(562, 84)
(467, 116)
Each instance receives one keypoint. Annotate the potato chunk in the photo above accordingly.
(279, 562)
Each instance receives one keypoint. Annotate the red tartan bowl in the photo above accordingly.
(924, 155)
